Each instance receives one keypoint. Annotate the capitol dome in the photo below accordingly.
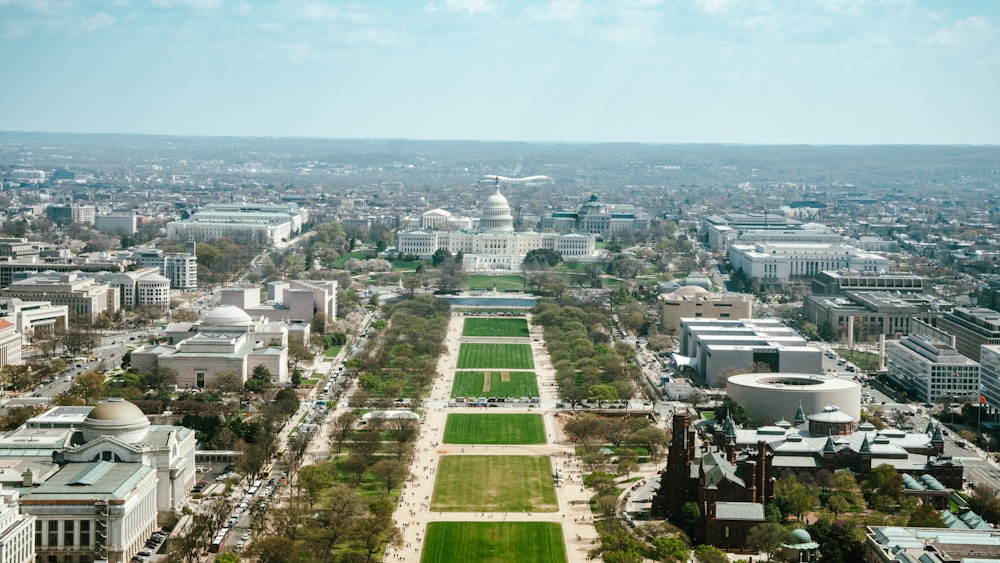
(691, 291)
(227, 315)
(118, 418)
(496, 215)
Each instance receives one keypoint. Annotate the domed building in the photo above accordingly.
(800, 547)
(226, 340)
(494, 245)
(101, 470)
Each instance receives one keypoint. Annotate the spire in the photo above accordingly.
(866, 448)
(800, 415)
(937, 434)
(830, 447)
(930, 427)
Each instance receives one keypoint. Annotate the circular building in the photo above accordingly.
(117, 418)
(832, 421)
(777, 396)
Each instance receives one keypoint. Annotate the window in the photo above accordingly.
(53, 533)
(38, 533)
(84, 533)
(68, 533)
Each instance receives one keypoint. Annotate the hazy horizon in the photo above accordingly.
(825, 73)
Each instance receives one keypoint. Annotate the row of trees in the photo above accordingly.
(587, 365)
(402, 360)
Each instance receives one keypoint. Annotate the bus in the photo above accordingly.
(267, 471)
(280, 454)
(219, 540)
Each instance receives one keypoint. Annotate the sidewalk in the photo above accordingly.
(413, 513)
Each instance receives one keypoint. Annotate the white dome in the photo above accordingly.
(496, 214)
(116, 417)
(227, 315)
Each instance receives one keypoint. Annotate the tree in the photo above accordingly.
(227, 557)
(390, 472)
(709, 554)
(160, 378)
(272, 549)
(440, 256)
(314, 479)
(984, 502)
(298, 353)
(374, 531)
(837, 541)
(260, 380)
(585, 428)
(318, 323)
(690, 518)
(541, 258)
(729, 407)
(651, 437)
(767, 538)
(89, 387)
(226, 382)
(926, 516)
(342, 426)
(602, 394)
(670, 550)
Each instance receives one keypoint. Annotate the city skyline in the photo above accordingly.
(714, 71)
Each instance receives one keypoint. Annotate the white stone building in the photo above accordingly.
(16, 530)
(227, 339)
(495, 245)
(32, 317)
(101, 479)
(82, 296)
(251, 224)
(927, 364)
(778, 262)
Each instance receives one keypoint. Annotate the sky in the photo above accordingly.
(708, 71)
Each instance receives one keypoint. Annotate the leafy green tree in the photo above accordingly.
(739, 413)
(926, 516)
(767, 538)
(227, 557)
(690, 518)
(838, 541)
(709, 554)
(260, 380)
(440, 256)
(670, 550)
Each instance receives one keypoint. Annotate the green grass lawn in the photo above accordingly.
(406, 264)
(516, 328)
(503, 282)
(494, 542)
(483, 483)
(494, 429)
(470, 384)
(332, 351)
(495, 356)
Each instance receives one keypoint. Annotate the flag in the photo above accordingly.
(982, 400)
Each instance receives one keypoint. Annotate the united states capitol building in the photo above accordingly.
(488, 243)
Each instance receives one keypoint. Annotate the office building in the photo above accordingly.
(695, 301)
(928, 366)
(81, 295)
(597, 218)
(16, 530)
(779, 262)
(291, 301)
(972, 327)
(255, 225)
(117, 223)
(34, 318)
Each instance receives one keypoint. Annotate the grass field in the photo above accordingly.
(502, 282)
(483, 483)
(494, 429)
(495, 356)
(517, 328)
(494, 542)
(519, 384)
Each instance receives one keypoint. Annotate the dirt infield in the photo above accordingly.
(487, 376)
(505, 376)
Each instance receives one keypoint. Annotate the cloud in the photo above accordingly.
(100, 20)
(971, 30)
(556, 10)
(472, 7)
(716, 7)
(196, 5)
